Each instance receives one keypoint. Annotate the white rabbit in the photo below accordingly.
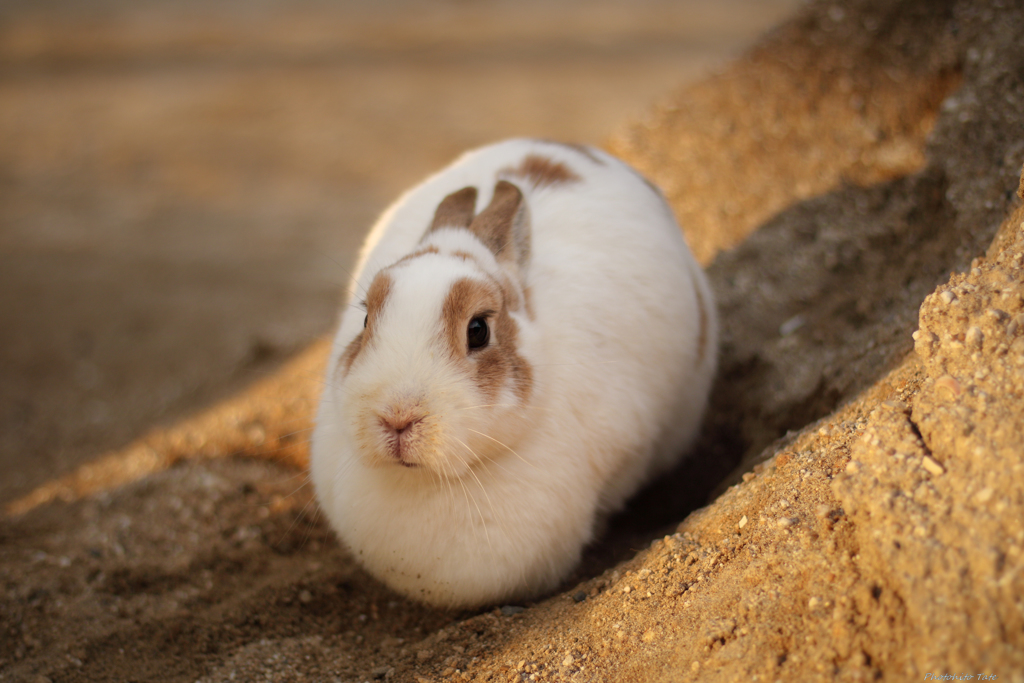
(537, 342)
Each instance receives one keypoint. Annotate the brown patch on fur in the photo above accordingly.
(419, 252)
(455, 211)
(702, 336)
(351, 351)
(497, 364)
(528, 301)
(376, 296)
(503, 224)
(513, 301)
(466, 298)
(542, 171)
(464, 255)
(509, 294)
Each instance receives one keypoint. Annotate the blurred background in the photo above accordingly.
(185, 184)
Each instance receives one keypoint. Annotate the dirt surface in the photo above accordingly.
(872, 384)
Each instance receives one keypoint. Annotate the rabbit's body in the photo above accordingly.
(463, 475)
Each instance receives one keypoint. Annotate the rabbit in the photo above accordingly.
(534, 342)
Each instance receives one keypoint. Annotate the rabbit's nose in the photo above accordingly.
(398, 424)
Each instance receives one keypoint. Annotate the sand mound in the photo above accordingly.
(875, 528)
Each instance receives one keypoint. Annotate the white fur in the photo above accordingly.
(617, 395)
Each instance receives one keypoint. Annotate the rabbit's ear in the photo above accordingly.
(455, 210)
(504, 225)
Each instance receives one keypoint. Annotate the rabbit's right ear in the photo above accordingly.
(455, 210)
(504, 225)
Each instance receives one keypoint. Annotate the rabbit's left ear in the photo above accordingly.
(455, 210)
(504, 225)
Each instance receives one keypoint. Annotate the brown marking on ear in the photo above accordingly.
(497, 364)
(502, 225)
(542, 171)
(419, 252)
(455, 211)
(702, 335)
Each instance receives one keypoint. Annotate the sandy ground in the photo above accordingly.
(865, 234)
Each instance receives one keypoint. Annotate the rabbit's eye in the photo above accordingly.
(477, 334)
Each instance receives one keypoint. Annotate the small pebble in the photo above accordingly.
(975, 337)
(792, 325)
(743, 521)
(948, 385)
(947, 297)
(1017, 348)
(579, 596)
(568, 660)
(509, 610)
(932, 465)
